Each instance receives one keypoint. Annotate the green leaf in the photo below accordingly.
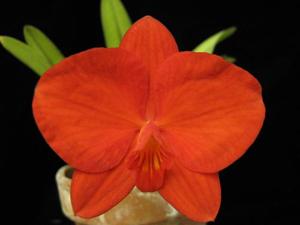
(210, 43)
(26, 54)
(40, 42)
(229, 58)
(115, 21)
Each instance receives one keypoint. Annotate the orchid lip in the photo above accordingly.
(148, 152)
(148, 158)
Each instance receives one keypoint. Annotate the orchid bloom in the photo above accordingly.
(147, 115)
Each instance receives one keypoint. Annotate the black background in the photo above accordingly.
(261, 188)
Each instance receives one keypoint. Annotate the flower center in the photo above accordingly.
(148, 158)
(147, 149)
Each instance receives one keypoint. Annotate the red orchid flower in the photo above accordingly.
(149, 116)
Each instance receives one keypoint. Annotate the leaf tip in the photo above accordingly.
(28, 28)
(232, 29)
(2, 39)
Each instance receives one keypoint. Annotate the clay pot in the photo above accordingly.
(138, 208)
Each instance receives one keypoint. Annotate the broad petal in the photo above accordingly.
(210, 110)
(90, 106)
(150, 41)
(195, 195)
(94, 194)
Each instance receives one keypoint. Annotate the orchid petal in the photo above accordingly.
(210, 110)
(149, 40)
(94, 194)
(195, 195)
(90, 106)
